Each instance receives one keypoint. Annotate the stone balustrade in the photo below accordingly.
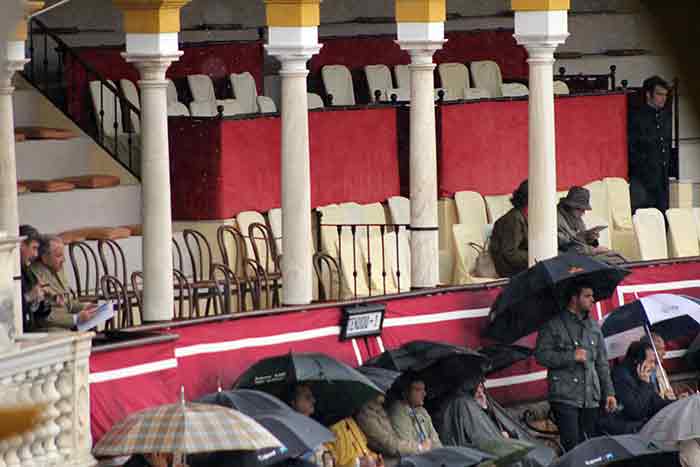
(52, 370)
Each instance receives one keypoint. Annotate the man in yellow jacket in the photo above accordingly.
(350, 446)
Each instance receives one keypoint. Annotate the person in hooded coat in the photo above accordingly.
(469, 417)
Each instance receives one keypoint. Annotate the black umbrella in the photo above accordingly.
(299, 433)
(614, 450)
(442, 367)
(502, 356)
(452, 456)
(340, 391)
(382, 377)
(532, 297)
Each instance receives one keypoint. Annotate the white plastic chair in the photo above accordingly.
(403, 77)
(683, 237)
(497, 206)
(175, 107)
(514, 90)
(454, 78)
(378, 79)
(476, 93)
(243, 85)
(266, 105)
(650, 228)
(314, 101)
(338, 82)
(465, 255)
(203, 95)
(622, 230)
(471, 210)
(561, 88)
(399, 210)
(486, 74)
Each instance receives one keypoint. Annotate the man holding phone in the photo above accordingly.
(35, 307)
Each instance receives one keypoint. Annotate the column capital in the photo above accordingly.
(152, 68)
(293, 13)
(12, 59)
(27, 7)
(541, 29)
(151, 16)
(421, 11)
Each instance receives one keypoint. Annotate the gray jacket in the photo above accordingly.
(569, 230)
(571, 382)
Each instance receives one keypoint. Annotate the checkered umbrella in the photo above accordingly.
(185, 428)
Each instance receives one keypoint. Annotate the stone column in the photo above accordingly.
(293, 39)
(420, 31)
(151, 45)
(12, 59)
(540, 26)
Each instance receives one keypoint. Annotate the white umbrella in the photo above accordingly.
(677, 422)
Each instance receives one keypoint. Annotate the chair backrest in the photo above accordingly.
(403, 76)
(178, 109)
(497, 206)
(232, 248)
(373, 213)
(471, 209)
(264, 248)
(244, 219)
(599, 201)
(455, 78)
(465, 255)
(487, 75)
(476, 93)
(132, 95)
(650, 229)
(113, 260)
(619, 203)
(116, 291)
(328, 275)
(86, 268)
(399, 209)
(201, 88)
(200, 254)
(682, 233)
(274, 217)
(514, 90)
(314, 101)
(378, 79)
(203, 109)
(171, 92)
(561, 88)
(243, 85)
(107, 109)
(266, 105)
(338, 82)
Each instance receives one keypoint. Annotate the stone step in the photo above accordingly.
(58, 212)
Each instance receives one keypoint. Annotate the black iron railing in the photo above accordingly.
(114, 120)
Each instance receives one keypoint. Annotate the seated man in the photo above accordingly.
(469, 417)
(302, 399)
(571, 231)
(508, 243)
(34, 306)
(408, 416)
(638, 400)
(381, 436)
(66, 312)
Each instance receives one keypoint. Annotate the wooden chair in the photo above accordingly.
(116, 292)
(250, 274)
(330, 280)
(86, 270)
(202, 264)
(182, 290)
(265, 252)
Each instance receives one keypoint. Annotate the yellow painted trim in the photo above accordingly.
(421, 11)
(540, 5)
(293, 13)
(151, 16)
(21, 32)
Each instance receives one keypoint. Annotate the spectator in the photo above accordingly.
(66, 312)
(381, 436)
(350, 447)
(34, 305)
(649, 136)
(408, 416)
(302, 399)
(572, 348)
(508, 243)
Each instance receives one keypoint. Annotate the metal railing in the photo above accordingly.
(115, 121)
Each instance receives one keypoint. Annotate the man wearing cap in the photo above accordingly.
(571, 231)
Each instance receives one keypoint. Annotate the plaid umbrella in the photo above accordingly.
(185, 428)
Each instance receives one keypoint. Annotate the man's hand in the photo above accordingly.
(600, 250)
(644, 371)
(87, 313)
(36, 294)
(580, 355)
(426, 445)
(610, 404)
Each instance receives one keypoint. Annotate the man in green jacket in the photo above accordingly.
(572, 348)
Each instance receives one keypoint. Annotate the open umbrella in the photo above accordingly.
(442, 367)
(502, 356)
(298, 433)
(613, 450)
(532, 297)
(340, 390)
(670, 316)
(450, 456)
(382, 377)
(185, 428)
(676, 422)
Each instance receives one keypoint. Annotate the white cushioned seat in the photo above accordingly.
(314, 101)
(622, 230)
(378, 79)
(266, 105)
(650, 228)
(514, 90)
(683, 237)
(497, 206)
(243, 85)
(486, 74)
(561, 88)
(455, 78)
(338, 82)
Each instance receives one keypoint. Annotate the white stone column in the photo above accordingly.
(152, 54)
(297, 267)
(540, 32)
(422, 40)
(12, 59)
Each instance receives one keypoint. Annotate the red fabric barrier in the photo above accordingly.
(485, 145)
(215, 60)
(222, 167)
